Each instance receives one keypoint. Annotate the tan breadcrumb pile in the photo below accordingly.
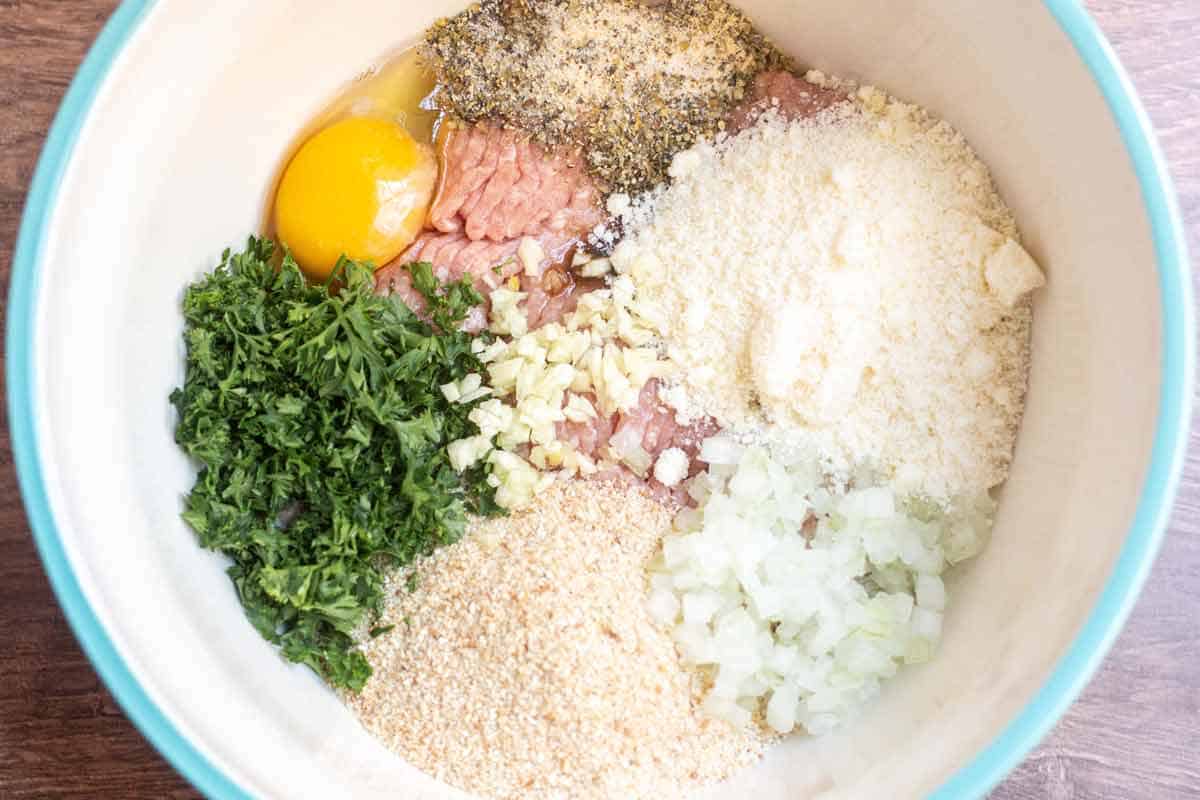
(524, 663)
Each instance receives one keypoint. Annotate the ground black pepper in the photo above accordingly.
(629, 83)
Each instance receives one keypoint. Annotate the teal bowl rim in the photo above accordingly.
(975, 779)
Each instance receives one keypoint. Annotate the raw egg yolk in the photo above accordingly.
(360, 187)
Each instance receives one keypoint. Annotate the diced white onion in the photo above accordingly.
(800, 625)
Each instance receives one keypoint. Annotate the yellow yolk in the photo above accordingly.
(360, 187)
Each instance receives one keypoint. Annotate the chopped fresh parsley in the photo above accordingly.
(320, 430)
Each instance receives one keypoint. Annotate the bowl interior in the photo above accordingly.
(172, 166)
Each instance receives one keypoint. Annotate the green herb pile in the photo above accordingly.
(321, 431)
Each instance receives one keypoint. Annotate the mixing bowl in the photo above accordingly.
(161, 156)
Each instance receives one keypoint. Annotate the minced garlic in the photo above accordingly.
(596, 362)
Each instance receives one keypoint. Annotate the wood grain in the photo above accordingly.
(1133, 735)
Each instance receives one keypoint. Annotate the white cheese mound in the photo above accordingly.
(803, 627)
(852, 281)
(671, 467)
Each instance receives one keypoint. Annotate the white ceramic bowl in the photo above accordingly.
(161, 157)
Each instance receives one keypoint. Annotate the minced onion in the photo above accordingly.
(796, 599)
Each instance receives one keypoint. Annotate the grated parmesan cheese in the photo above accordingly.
(853, 280)
(671, 467)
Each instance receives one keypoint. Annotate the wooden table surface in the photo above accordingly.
(1133, 735)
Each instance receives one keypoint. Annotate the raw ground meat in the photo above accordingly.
(488, 267)
(499, 185)
(789, 94)
(454, 256)
(543, 307)
(650, 425)
(498, 189)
